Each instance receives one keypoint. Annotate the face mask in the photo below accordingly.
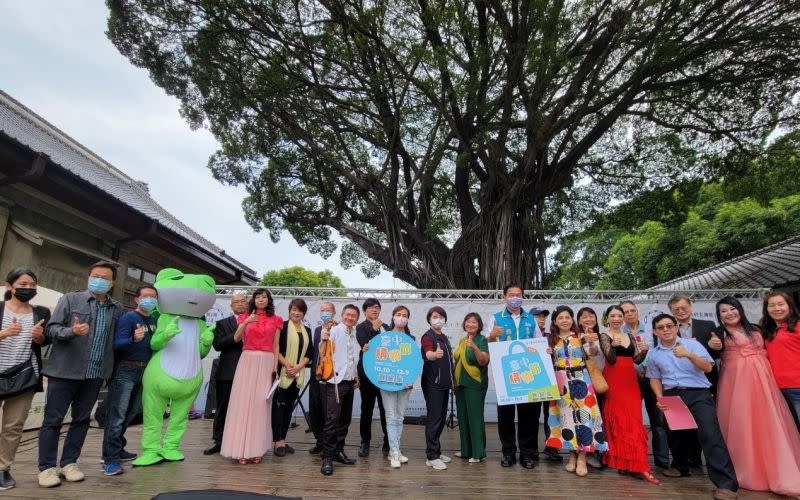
(99, 285)
(514, 302)
(438, 322)
(400, 321)
(148, 303)
(24, 294)
(325, 316)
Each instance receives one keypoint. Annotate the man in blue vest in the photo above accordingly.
(513, 323)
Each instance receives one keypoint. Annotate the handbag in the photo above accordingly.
(598, 380)
(18, 379)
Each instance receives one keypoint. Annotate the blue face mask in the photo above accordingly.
(99, 285)
(514, 302)
(148, 303)
(325, 316)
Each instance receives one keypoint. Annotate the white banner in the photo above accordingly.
(456, 310)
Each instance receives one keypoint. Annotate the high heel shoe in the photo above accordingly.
(649, 477)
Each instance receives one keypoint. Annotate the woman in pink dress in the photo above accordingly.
(755, 421)
(248, 432)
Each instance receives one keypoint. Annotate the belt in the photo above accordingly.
(140, 364)
(687, 389)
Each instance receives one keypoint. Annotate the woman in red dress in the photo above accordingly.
(622, 407)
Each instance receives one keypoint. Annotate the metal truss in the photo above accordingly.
(543, 295)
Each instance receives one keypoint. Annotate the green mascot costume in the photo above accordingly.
(174, 374)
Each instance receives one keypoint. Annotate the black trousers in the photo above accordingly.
(527, 430)
(337, 416)
(315, 414)
(223, 394)
(718, 461)
(369, 394)
(436, 404)
(282, 407)
(658, 427)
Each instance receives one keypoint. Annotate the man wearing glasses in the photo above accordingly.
(678, 367)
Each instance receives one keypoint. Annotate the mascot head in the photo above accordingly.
(189, 295)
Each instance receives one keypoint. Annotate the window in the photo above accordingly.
(134, 272)
(149, 277)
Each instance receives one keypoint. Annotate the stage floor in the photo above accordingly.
(298, 475)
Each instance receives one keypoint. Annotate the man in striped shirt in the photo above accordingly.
(82, 355)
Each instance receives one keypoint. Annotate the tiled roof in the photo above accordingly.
(29, 129)
(774, 266)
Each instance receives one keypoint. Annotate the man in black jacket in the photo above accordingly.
(700, 330)
(229, 350)
(370, 327)
(316, 414)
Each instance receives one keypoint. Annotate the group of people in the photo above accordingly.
(739, 380)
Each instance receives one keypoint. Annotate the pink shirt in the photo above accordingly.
(259, 335)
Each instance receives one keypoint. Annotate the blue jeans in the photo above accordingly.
(123, 403)
(793, 400)
(395, 405)
(62, 394)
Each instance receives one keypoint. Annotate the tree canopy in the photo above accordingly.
(301, 277)
(447, 141)
(665, 234)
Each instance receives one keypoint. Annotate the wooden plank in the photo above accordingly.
(298, 474)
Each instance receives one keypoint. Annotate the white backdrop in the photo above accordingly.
(456, 310)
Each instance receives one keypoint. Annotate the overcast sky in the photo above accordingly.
(56, 60)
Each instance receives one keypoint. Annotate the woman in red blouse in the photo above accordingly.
(779, 324)
(248, 431)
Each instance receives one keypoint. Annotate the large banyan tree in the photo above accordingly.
(432, 134)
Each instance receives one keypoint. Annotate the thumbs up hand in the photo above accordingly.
(138, 334)
(439, 353)
(715, 342)
(13, 329)
(79, 329)
(37, 332)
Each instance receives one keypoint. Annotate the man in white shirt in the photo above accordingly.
(337, 392)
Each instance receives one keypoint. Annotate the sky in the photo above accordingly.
(56, 60)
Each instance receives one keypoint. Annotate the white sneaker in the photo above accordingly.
(49, 478)
(476, 460)
(394, 460)
(72, 473)
(403, 458)
(436, 464)
(446, 459)
(457, 454)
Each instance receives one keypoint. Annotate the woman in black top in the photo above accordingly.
(437, 382)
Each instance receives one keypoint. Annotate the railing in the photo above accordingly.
(544, 295)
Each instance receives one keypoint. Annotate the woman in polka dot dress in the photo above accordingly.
(575, 421)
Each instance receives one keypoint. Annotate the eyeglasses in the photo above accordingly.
(667, 327)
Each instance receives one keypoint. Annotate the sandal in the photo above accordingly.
(649, 477)
(570, 466)
(256, 460)
(243, 461)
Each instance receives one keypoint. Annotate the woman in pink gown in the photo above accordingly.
(755, 421)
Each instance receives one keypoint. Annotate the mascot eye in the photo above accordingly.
(177, 278)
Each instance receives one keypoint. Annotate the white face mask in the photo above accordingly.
(400, 321)
(438, 322)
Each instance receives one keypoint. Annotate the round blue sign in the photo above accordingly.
(393, 361)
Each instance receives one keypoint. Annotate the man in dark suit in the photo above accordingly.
(700, 330)
(370, 327)
(229, 350)
(316, 414)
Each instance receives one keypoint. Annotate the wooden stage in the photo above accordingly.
(298, 475)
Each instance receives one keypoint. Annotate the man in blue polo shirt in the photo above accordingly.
(513, 323)
(677, 367)
(124, 399)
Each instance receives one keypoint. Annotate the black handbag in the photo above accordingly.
(18, 379)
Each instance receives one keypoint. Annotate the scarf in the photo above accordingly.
(292, 354)
(460, 357)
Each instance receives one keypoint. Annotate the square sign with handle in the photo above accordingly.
(522, 371)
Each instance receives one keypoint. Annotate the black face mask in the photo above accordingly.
(24, 294)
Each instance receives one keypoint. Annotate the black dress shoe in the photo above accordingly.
(327, 466)
(342, 458)
(696, 463)
(508, 460)
(280, 451)
(214, 448)
(289, 449)
(553, 455)
(527, 462)
(316, 450)
(363, 450)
